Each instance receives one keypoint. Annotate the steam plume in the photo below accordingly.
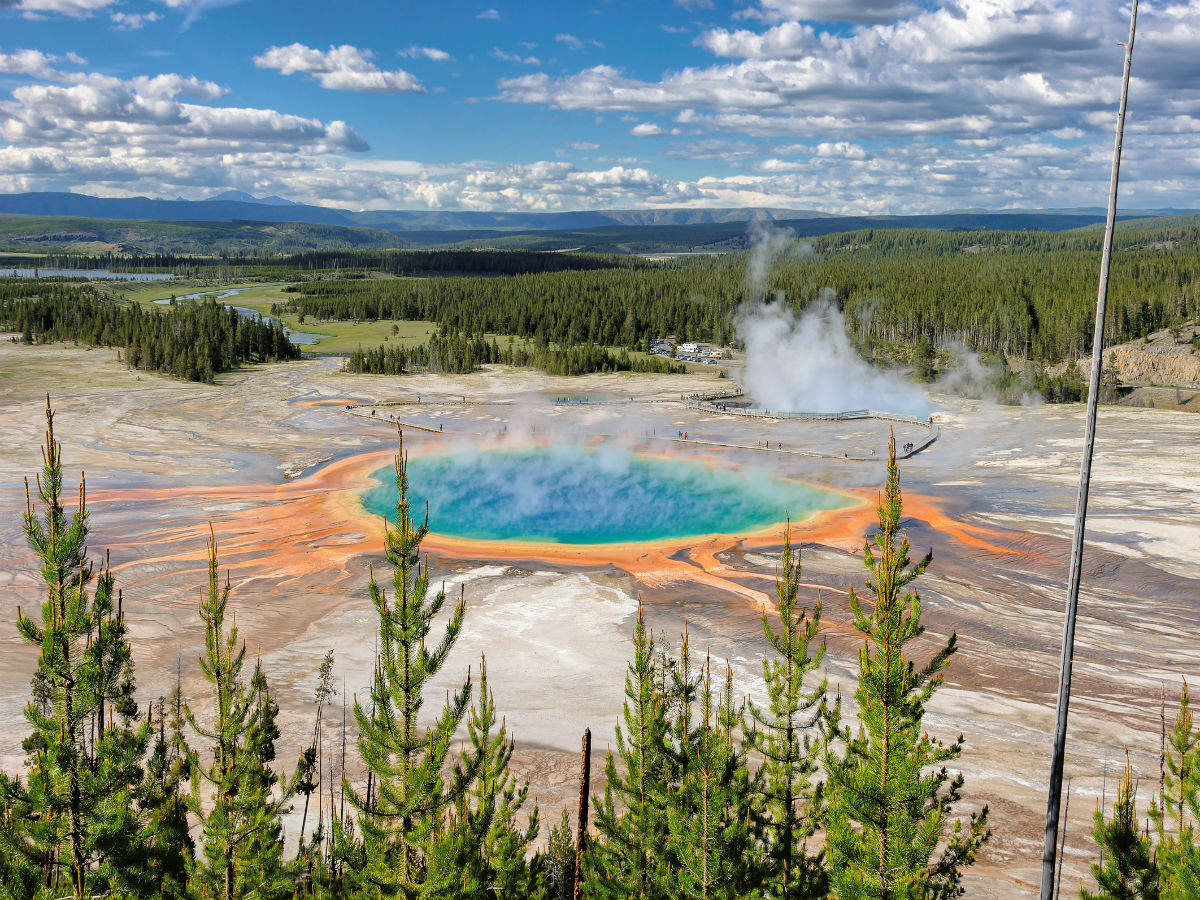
(806, 363)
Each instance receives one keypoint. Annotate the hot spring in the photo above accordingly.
(575, 496)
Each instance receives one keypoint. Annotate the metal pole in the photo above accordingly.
(1085, 472)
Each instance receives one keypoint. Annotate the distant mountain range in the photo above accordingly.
(238, 206)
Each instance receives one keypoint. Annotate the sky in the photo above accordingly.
(841, 106)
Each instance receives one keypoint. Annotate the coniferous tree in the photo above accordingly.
(164, 801)
(559, 871)
(484, 849)
(501, 846)
(264, 800)
(1128, 870)
(889, 832)
(309, 768)
(1177, 811)
(19, 875)
(241, 841)
(74, 817)
(784, 733)
(710, 815)
(630, 859)
(406, 759)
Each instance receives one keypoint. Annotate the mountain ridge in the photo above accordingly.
(238, 206)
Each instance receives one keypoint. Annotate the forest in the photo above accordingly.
(1027, 294)
(458, 353)
(391, 262)
(192, 340)
(705, 795)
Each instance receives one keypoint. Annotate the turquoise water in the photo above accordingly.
(569, 496)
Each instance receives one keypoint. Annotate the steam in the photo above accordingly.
(805, 362)
(768, 244)
(972, 376)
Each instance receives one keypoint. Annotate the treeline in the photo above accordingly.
(483, 261)
(705, 795)
(393, 262)
(193, 341)
(1029, 294)
(460, 354)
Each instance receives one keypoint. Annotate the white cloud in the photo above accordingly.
(194, 9)
(124, 21)
(30, 62)
(861, 11)
(576, 43)
(505, 56)
(344, 68)
(76, 9)
(152, 121)
(491, 14)
(432, 53)
(996, 103)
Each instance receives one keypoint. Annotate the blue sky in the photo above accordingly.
(838, 105)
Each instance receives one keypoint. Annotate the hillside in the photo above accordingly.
(50, 233)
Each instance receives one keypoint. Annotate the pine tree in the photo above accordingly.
(264, 800)
(19, 876)
(484, 851)
(630, 859)
(500, 844)
(1177, 811)
(709, 814)
(406, 760)
(74, 816)
(680, 686)
(309, 767)
(791, 801)
(241, 843)
(1128, 870)
(164, 802)
(889, 833)
(559, 872)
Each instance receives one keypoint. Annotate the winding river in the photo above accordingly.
(301, 338)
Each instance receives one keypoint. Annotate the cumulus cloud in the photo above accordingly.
(505, 56)
(71, 129)
(576, 43)
(491, 14)
(992, 102)
(432, 53)
(997, 103)
(31, 62)
(76, 9)
(124, 21)
(862, 11)
(344, 68)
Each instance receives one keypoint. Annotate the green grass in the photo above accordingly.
(342, 336)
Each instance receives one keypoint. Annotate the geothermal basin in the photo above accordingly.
(577, 496)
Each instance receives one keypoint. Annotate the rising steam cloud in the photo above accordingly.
(805, 362)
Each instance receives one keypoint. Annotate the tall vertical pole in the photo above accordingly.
(1054, 796)
(585, 778)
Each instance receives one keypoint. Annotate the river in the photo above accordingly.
(301, 338)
